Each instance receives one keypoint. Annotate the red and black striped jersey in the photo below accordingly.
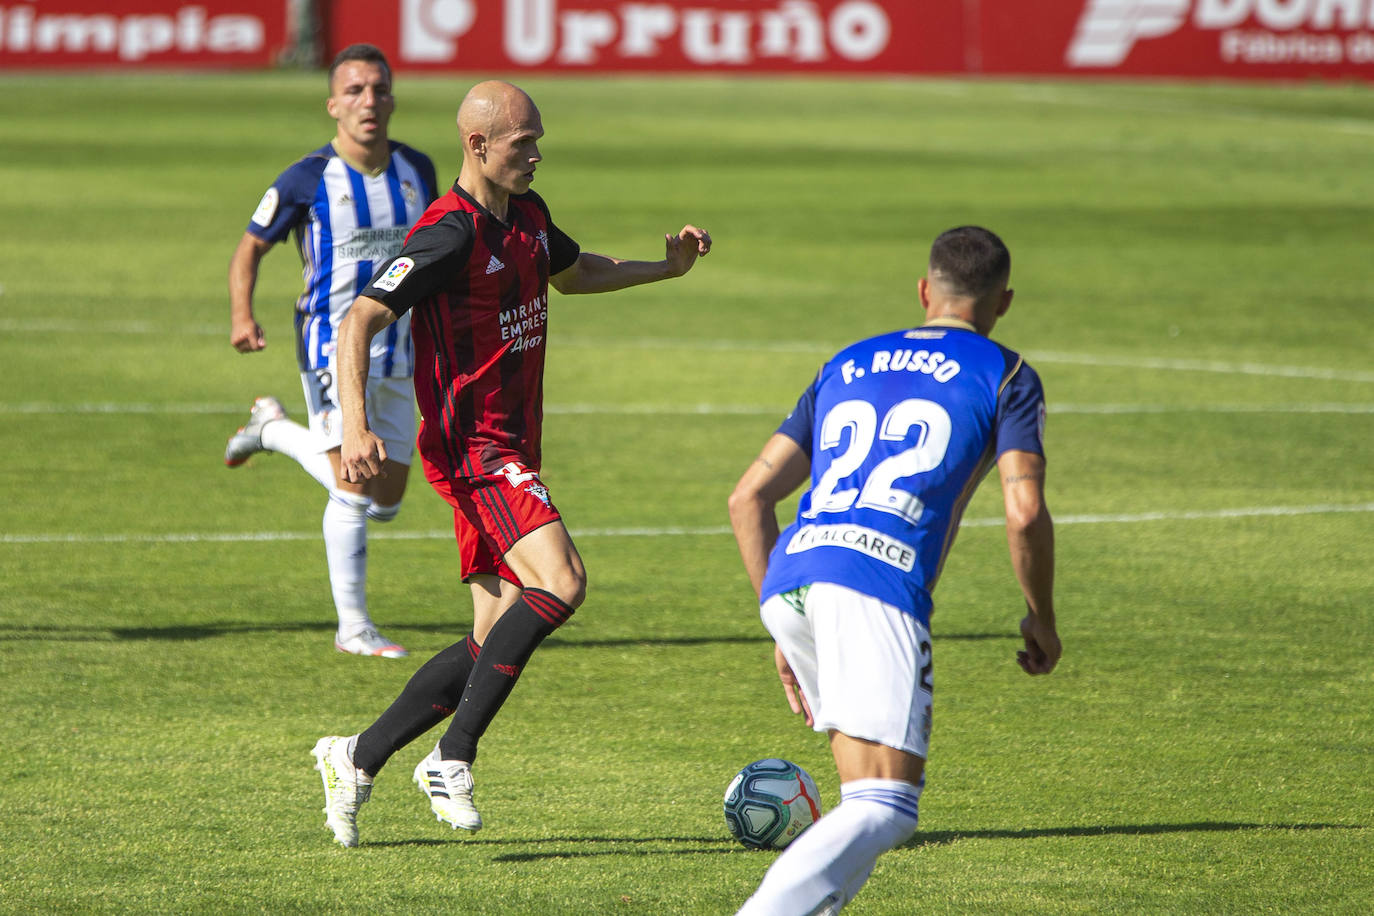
(477, 289)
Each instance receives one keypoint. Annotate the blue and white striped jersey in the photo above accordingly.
(345, 223)
(900, 429)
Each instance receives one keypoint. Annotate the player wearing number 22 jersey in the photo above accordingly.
(900, 430)
(893, 436)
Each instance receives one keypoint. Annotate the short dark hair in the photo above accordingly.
(361, 51)
(970, 261)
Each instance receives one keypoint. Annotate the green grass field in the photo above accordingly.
(1193, 283)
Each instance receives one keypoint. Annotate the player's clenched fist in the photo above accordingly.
(684, 248)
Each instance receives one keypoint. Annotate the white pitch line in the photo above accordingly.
(1210, 408)
(96, 328)
(1033, 356)
(672, 531)
(1193, 516)
(1267, 370)
(54, 409)
(48, 407)
(51, 326)
(680, 343)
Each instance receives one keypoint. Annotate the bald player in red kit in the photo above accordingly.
(474, 276)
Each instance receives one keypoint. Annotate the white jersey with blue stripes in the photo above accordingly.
(346, 223)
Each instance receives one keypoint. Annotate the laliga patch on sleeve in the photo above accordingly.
(395, 274)
(267, 208)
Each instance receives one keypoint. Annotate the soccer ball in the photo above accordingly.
(770, 802)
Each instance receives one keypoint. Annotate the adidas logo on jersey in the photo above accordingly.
(494, 265)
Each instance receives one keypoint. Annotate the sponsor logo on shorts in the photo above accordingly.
(395, 274)
(863, 540)
(267, 208)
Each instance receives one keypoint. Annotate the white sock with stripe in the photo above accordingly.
(825, 867)
(379, 513)
(345, 546)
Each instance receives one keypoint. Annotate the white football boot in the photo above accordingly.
(448, 786)
(345, 786)
(369, 642)
(248, 440)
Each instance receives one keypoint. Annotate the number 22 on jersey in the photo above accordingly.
(927, 421)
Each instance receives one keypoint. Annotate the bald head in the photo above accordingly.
(500, 130)
(494, 108)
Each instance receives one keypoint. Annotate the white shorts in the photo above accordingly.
(863, 666)
(390, 412)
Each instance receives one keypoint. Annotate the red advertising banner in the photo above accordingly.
(824, 36)
(1225, 39)
(128, 34)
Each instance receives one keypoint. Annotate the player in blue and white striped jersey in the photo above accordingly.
(348, 207)
(894, 435)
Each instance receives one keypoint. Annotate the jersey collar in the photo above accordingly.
(950, 323)
(358, 166)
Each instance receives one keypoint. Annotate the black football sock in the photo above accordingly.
(509, 645)
(429, 697)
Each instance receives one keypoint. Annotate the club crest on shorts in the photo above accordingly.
(539, 492)
(521, 478)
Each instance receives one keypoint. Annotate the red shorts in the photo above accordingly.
(491, 513)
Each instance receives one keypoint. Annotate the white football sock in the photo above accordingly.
(380, 513)
(345, 546)
(826, 865)
(297, 442)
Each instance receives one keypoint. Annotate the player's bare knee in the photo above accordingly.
(570, 586)
(567, 582)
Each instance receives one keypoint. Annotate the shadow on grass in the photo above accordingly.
(196, 632)
(585, 847)
(593, 846)
(944, 837)
(173, 633)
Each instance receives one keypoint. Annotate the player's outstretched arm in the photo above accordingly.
(1030, 538)
(245, 334)
(363, 453)
(599, 273)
